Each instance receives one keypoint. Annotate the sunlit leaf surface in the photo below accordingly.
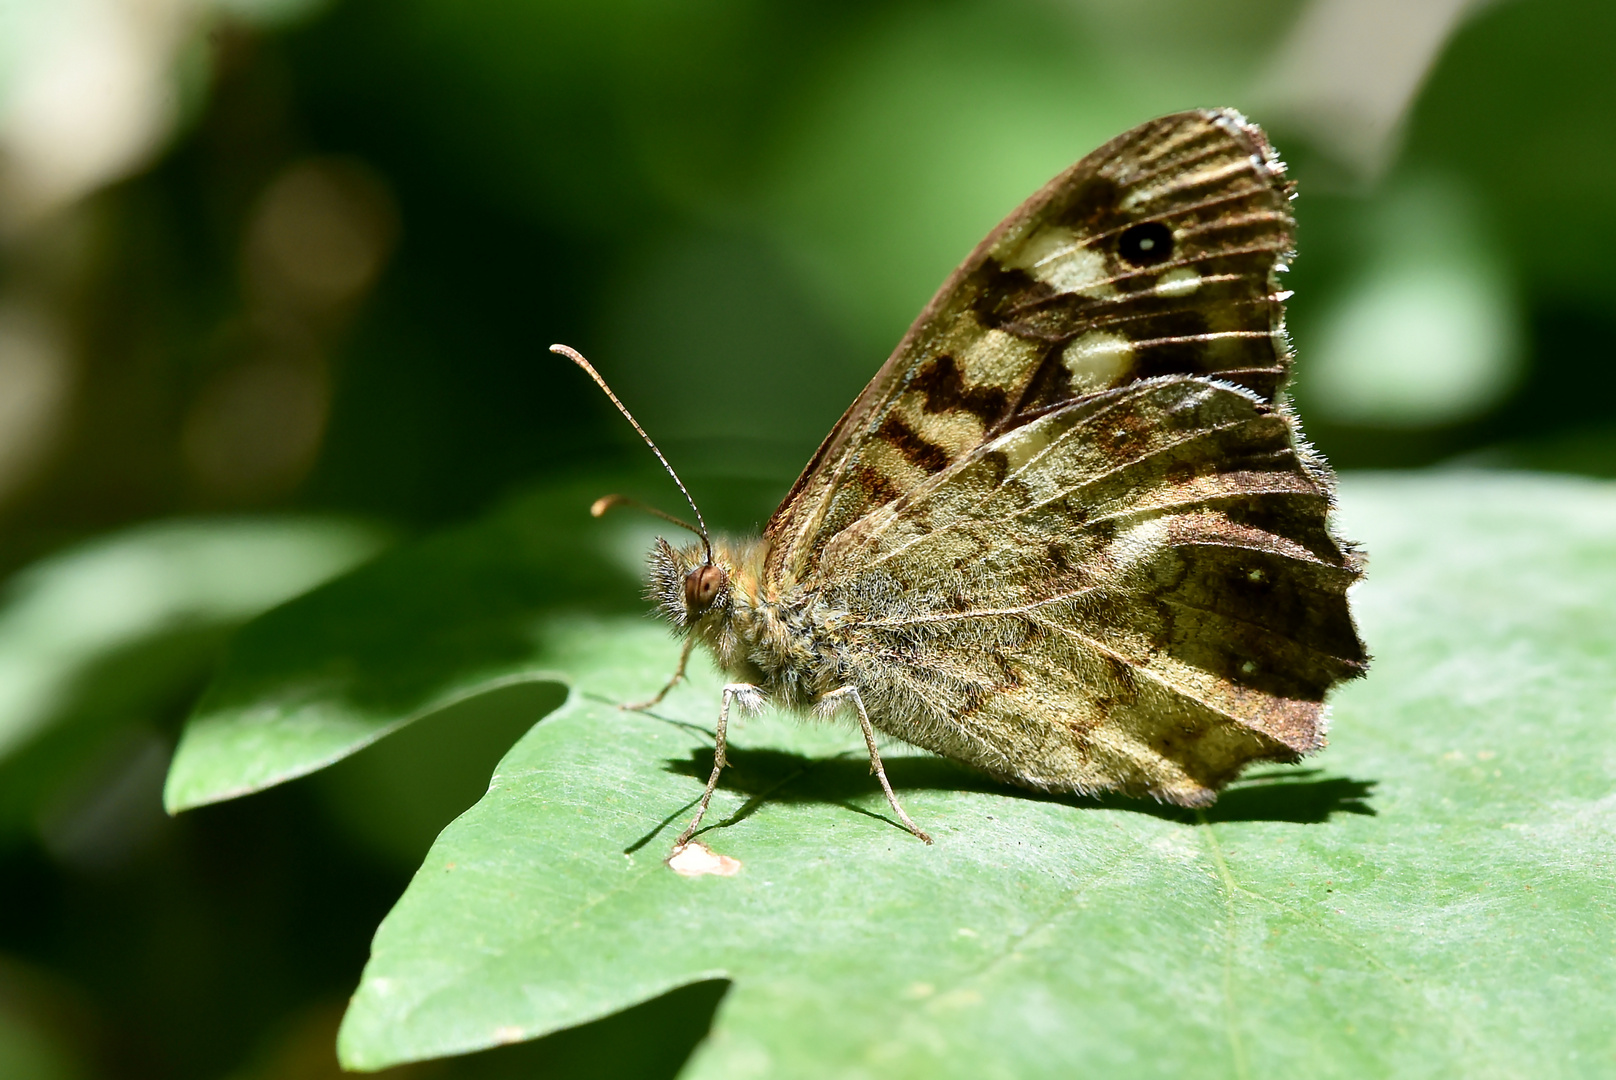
(1429, 896)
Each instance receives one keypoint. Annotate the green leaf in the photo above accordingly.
(412, 633)
(65, 615)
(1430, 896)
(124, 627)
(1255, 938)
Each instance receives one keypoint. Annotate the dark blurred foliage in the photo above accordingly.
(332, 289)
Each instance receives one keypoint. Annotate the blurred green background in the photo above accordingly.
(277, 278)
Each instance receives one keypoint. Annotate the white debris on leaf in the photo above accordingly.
(695, 859)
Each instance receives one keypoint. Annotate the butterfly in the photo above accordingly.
(1070, 534)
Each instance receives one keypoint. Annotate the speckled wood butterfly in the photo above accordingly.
(1069, 534)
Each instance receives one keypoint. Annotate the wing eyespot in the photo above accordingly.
(1149, 243)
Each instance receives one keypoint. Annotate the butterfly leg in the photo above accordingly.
(750, 698)
(678, 676)
(827, 704)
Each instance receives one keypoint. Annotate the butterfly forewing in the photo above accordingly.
(1066, 534)
(1154, 255)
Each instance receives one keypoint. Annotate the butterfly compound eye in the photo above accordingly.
(1146, 244)
(703, 584)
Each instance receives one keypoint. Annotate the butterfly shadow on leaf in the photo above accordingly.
(1299, 796)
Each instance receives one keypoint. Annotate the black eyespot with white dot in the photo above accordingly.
(1149, 243)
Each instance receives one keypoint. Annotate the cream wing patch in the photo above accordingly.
(1024, 443)
(1062, 259)
(995, 358)
(1180, 282)
(1097, 360)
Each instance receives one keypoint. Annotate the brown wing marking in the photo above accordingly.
(1156, 255)
(1138, 590)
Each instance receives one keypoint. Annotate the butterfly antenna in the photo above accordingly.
(606, 502)
(602, 505)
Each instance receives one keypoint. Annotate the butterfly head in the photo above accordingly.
(691, 583)
(688, 585)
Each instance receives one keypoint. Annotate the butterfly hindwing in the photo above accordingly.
(1136, 591)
